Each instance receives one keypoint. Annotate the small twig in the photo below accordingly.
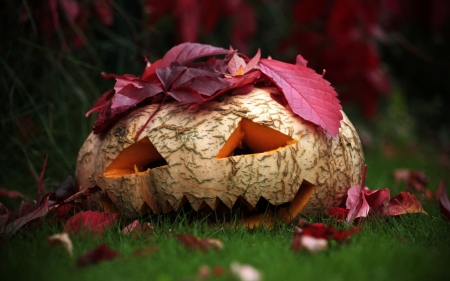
(148, 120)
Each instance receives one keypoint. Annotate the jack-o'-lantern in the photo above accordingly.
(235, 149)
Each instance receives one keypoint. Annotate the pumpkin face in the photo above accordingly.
(241, 148)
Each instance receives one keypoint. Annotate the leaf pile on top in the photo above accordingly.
(180, 77)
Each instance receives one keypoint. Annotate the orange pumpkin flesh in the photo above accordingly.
(257, 137)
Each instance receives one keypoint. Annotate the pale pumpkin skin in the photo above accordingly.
(190, 139)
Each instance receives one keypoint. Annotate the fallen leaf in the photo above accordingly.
(15, 225)
(145, 251)
(137, 229)
(405, 203)
(100, 253)
(444, 202)
(309, 243)
(356, 203)
(63, 240)
(91, 222)
(309, 95)
(194, 243)
(11, 193)
(245, 272)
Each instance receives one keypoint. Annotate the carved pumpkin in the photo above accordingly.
(233, 150)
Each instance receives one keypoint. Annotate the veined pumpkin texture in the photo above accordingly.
(240, 147)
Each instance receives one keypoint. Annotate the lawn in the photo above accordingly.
(407, 247)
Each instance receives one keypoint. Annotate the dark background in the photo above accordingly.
(389, 61)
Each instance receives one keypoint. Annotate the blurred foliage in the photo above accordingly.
(53, 51)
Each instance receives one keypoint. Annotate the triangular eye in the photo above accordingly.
(138, 157)
(250, 137)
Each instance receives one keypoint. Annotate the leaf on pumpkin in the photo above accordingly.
(63, 240)
(194, 243)
(100, 253)
(300, 61)
(237, 65)
(187, 52)
(92, 222)
(444, 202)
(308, 94)
(131, 90)
(405, 203)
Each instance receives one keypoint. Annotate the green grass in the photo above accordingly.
(45, 94)
(408, 247)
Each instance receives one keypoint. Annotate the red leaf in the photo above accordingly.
(10, 193)
(405, 203)
(131, 90)
(444, 202)
(91, 222)
(337, 213)
(100, 253)
(150, 70)
(187, 52)
(102, 102)
(319, 230)
(378, 200)
(39, 212)
(103, 11)
(194, 243)
(308, 94)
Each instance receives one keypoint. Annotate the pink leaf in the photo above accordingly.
(91, 222)
(300, 61)
(308, 94)
(356, 203)
(253, 63)
(100, 253)
(405, 203)
(235, 64)
(444, 202)
(187, 52)
(137, 229)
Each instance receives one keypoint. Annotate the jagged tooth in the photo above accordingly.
(197, 204)
(180, 203)
(227, 199)
(167, 207)
(212, 202)
(243, 203)
(251, 200)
